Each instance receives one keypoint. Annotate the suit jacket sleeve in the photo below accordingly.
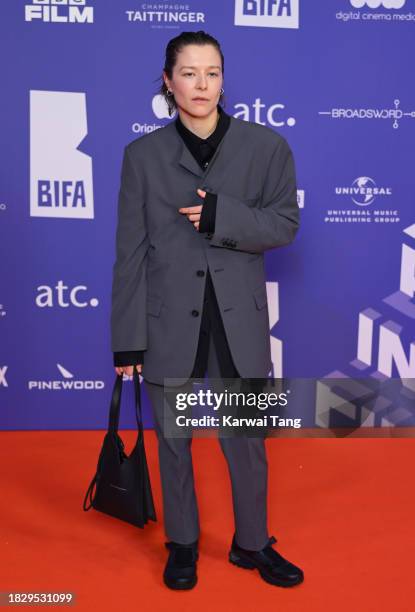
(129, 287)
(275, 223)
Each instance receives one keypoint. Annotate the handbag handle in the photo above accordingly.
(114, 415)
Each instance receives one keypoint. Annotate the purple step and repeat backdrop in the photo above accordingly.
(79, 81)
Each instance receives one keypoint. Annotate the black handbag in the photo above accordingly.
(122, 482)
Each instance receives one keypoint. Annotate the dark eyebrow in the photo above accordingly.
(196, 67)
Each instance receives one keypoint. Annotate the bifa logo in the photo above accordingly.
(59, 11)
(60, 174)
(267, 13)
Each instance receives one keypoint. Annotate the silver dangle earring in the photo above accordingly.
(222, 91)
(169, 93)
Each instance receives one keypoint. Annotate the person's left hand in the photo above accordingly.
(193, 212)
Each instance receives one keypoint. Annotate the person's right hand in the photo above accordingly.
(128, 369)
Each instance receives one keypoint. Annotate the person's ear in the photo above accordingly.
(165, 79)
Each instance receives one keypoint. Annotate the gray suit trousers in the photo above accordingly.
(248, 469)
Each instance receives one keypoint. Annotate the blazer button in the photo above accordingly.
(195, 313)
(200, 273)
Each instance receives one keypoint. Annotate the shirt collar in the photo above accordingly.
(214, 139)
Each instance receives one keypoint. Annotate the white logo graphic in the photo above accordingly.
(60, 174)
(363, 191)
(160, 108)
(267, 13)
(59, 11)
(394, 114)
(387, 11)
(3, 381)
(69, 382)
(48, 297)
(390, 341)
(300, 198)
(273, 299)
(160, 13)
(387, 4)
(274, 114)
(65, 373)
(2, 311)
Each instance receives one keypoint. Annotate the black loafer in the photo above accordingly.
(180, 570)
(270, 564)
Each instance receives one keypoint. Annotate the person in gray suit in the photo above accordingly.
(200, 202)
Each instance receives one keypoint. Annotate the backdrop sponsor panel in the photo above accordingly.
(80, 80)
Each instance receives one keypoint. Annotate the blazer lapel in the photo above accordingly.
(228, 150)
(187, 160)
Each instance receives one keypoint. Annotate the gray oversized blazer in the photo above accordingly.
(157, 292)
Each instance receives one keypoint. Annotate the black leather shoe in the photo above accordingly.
(270, 564)
(180, 570)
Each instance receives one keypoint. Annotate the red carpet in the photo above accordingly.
(342, 509)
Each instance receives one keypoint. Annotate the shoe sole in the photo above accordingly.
(180, 587)
(237, 560)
